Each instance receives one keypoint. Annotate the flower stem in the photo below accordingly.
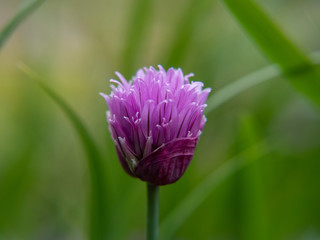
(152, 212)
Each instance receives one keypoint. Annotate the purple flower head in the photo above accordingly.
(155, 121)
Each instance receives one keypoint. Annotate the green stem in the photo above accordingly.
(152, 212)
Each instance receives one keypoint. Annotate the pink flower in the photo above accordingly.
(155, 121)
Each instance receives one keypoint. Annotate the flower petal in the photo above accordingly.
(168, 163)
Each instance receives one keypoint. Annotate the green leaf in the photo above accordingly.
(13, 184)
(21, 15)
(251, 205)
(184, 210)
(240, 85)
(277, 47)
(138, 23)
(99, 200)
(184, 31)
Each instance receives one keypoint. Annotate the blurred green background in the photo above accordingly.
(76, 46)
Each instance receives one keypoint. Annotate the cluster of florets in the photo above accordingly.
(155, 121)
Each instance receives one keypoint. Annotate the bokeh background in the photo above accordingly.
(76, 46)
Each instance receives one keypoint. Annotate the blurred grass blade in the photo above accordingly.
(183, 211)
(24, 12)
(13, 184)
(138, 23)
(252, 79)
(99, 203)
(273, 42)
(184, 31)
(19, 175)
(240, 85)
(250, 188)
(267, 35)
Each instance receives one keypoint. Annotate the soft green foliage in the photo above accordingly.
(238, 86)
(184, 30)
(13, 183)
(246, 82)
(304, 75)
(196, 197)
(99, 200)
(255, 171)
(24, 12)
(138, 23)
